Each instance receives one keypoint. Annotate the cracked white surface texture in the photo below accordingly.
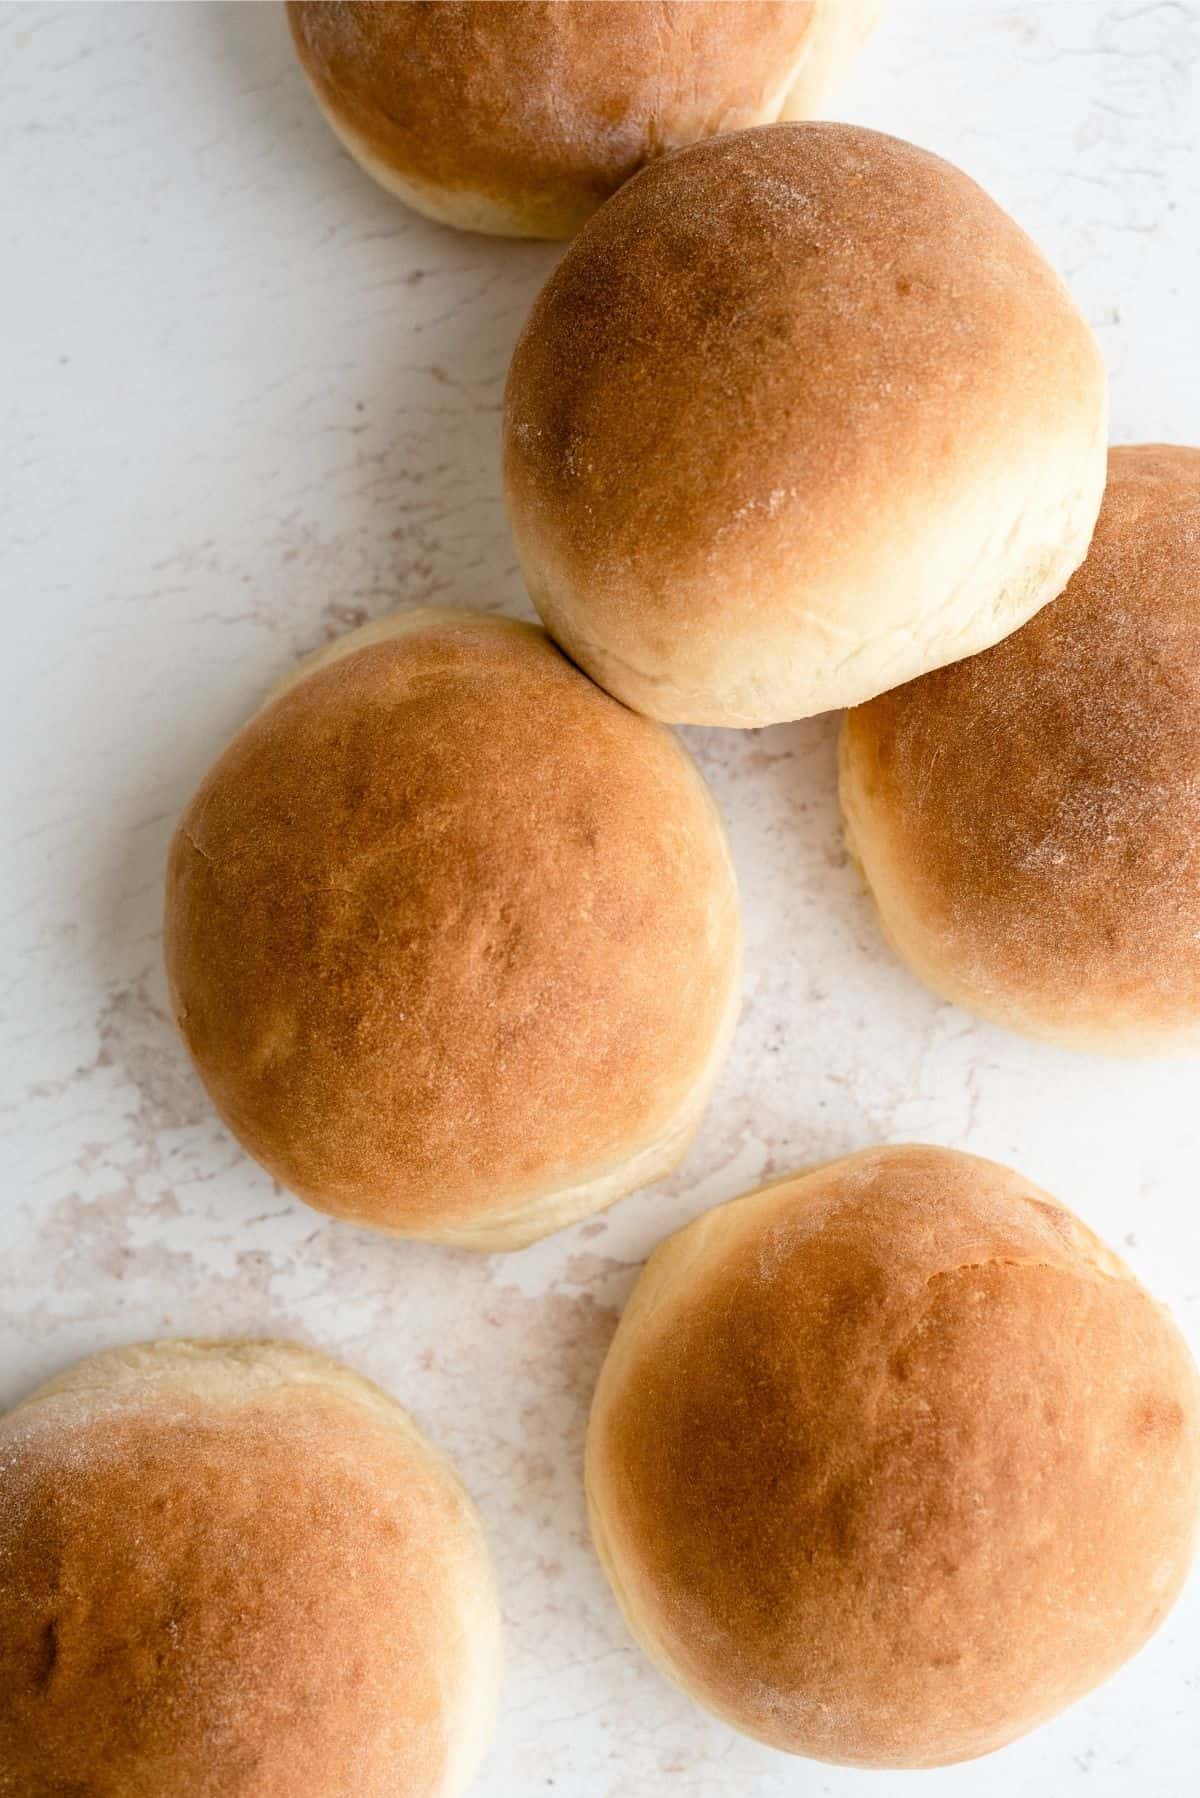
(249, 402)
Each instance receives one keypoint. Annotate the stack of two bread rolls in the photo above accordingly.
(803, 421)
(890, 1462)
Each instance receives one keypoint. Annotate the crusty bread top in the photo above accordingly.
(236, 1570)
(779, 399)
(1035, 810)
(447, 927)
(893, 1460)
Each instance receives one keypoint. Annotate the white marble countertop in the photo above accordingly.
(249, 400)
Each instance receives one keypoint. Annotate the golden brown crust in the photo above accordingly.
(892, 1461)
(451, 934)
(523, 117)
(800, 414)
(1029, 820)
(234, 1570)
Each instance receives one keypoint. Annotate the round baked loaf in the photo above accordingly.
(891, 1461)
(452, 937)
(1028, 821)
(520, 118)
(236, 1570)
(800, 415)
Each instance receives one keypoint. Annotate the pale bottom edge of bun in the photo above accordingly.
(841, 29)
(803, 668)
(460, 208)
(1083, 1031)
(230, 1372)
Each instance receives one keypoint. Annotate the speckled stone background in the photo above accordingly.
(248, 401)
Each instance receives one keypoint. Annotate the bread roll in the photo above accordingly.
(1029, 821)
(890, 1461)
(520, 119)
(452, 937)
(236, 1570)
(801, 414)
